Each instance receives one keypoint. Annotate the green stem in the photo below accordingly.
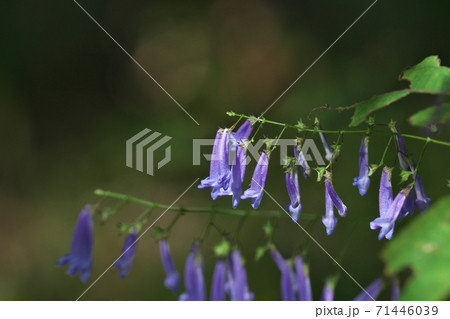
(316, 130)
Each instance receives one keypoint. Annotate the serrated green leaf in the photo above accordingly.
(428, 76)
(363, 109)
(423, 246)
(431, 114)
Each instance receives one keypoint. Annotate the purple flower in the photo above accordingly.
(193, 277)
(172, 277)
(387, 220)
(256, 190)
(237, 285)
(287, 276)
(363, 180)
(218, 282)
(241, 135)
(342, 209)
(422, 201)
(385, 197)
(219, 172)
(402, 152)
(80, 256)
(329, 220)
(301, 161)
(395, 292)
(237, 176)
(303, 281)
(125, 262)
(326, 145)
(408, 206)
(328, 291)
(372, 291)
(294, 207)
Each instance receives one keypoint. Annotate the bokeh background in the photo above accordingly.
(69, 99)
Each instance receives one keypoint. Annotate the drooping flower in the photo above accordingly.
(408, 206)
(326, 145)
(423, 202)
(371, 292)
(395, 292)
(363, 180)
(288, 284)
(125, 262)
(329, 220)
(294, 207)
(237, 285)
(303, 281)
(387, 221)
(342, 209)
(193, 277)
(80, 256)
(172, 277)
(237, 176)
(256, 190)
(218, 282)
(328, 291)
(241, 135)
(219, 172)
(301, 161)
(385, 197)
(402, 152)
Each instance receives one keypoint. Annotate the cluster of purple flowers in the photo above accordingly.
(229, 278)
(296, 285)
(80, 258)
(226, 179)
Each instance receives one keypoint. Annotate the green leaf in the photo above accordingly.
(431, 114)
(428, 76)
(377, 102)
(268, 229)
(423, 246)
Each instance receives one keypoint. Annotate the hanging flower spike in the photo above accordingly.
(387, 222)
(303, 281)
(237, 285)
(301, 161)
(125, 262)
(218, 282)
(237, 176)
(219, 172)
(402, 152)
(256, 190)
(372, 291)
(423, 202)
(363, 180)
(294, 207)
(241, 135)
(329, 220)
(172, 277)
(287, 276)
(342, 209)
(327, 147)
(193, 277)
(328, 291)
(80, 256)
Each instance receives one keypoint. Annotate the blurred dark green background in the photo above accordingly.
(69, 99)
